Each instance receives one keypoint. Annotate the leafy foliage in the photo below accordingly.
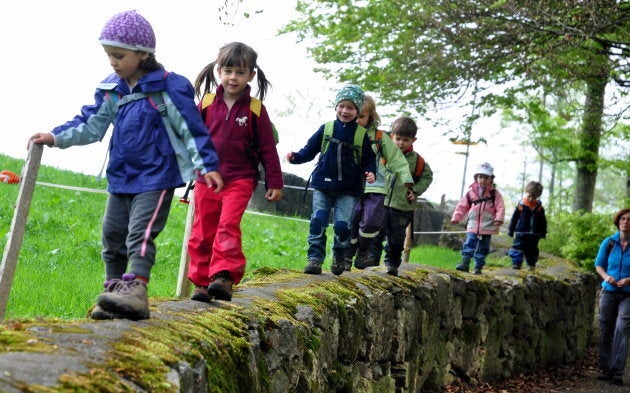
(419, 52)
(577, 236)
(421, 55)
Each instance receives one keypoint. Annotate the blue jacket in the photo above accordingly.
(337, 169)
(615, 262)
(142, 157)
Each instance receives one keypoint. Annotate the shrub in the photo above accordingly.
(577, 236)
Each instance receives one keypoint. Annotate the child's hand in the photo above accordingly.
(454, 222)
(290, 156)
(497, 223)
(411, 196)
(213, 179)
(273, 194)
(42, 139)
(369, 177)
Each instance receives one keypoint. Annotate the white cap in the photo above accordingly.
(484, 169)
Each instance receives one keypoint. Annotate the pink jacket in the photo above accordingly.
(482, 211)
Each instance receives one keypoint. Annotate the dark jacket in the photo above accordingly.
(528, 220)
(337, 169)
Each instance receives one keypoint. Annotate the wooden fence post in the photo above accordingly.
(408, 244)
(183, 285)
(16, 232)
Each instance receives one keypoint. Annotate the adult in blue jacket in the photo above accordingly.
(613, 266)
(157, 143)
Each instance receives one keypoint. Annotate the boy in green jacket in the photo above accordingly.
(368, 215)
(400, 203)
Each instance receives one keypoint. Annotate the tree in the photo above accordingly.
(427, 53)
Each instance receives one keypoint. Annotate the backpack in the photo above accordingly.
(357, 143)
(419, 168)
(156, 99)
(486, 199)
(535, 209)
(378, 138)
(255, 106)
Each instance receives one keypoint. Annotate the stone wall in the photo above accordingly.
(283, 332)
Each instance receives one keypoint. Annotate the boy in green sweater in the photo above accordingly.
(400, 203)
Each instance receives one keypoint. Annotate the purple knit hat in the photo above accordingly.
(128, 30)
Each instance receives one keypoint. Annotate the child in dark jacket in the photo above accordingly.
(530, 225)
(337, 179)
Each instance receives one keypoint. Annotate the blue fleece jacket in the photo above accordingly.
(142, 155)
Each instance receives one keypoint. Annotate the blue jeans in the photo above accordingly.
(342, 205)
(525, 245)
(614, 329)
(477, 247)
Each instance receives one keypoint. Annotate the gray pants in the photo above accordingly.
(130, 226)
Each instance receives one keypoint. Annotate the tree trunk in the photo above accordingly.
(589, 139)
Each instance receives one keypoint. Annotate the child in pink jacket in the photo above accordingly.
(483, 204)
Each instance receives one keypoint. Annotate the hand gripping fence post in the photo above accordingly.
(16, 232)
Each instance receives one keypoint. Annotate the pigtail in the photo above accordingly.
(206, 80)
(263, 83)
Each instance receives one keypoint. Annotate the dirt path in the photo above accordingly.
(580, 377)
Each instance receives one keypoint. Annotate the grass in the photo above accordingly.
(60, 272)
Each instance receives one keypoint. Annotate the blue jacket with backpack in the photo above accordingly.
(144, 154)
(337, 168)
(615, 261)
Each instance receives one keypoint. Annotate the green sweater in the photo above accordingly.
(398, 197)
(395, 163)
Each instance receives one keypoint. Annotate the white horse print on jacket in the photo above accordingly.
(242, 121)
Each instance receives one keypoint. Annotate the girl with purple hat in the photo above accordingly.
(158, 142)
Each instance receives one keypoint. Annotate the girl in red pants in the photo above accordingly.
(243, 139)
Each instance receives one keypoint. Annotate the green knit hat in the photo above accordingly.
(353, 93)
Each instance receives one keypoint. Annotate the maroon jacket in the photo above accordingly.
(242, 141)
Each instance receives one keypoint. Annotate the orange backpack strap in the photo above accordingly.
(419, 167)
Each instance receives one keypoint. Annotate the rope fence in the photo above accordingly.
(27, 185)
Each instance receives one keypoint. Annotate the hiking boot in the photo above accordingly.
(201, 295)
(348, 264)
(391, 270)
(361, 260)
(126, 297)
(516, 267)
(98, 314)
(220, 286)
(462, 267)
(313, 267)
(371, 262)
(531, 268)
(477, 270)
(616, 380)
(338, 266)
(604, 376)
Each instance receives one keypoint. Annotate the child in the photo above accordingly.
(369, 213)
(483, 204)
(150, 156)
(337, 179)
(530, 224)
(400, 203)
(243, 139)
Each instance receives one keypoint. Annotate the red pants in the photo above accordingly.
(215, 239)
